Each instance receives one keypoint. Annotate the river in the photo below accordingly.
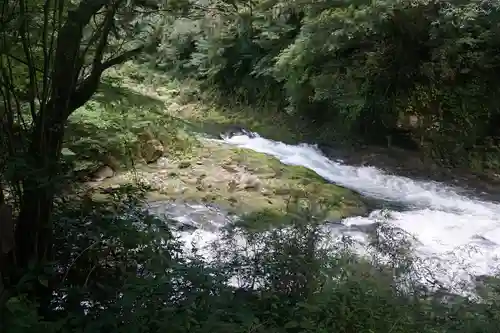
(457, 237)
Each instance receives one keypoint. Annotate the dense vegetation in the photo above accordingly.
(130, 275)
(349, 68)
(361, 68)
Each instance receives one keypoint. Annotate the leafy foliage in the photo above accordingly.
(125, 270)
(357, 66)
(360, 67)
(53, 54)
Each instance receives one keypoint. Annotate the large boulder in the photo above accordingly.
(236, 131)
(103, 172)
(152, 150)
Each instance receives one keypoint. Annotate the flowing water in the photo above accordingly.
(456, 236)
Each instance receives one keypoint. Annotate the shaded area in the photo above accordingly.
(269, 120)
(115, 123)
(210, 111)
(116, 254)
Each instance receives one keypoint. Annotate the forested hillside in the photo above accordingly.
(369, 69)
(104, 106)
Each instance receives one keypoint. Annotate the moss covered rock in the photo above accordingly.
(242, 181)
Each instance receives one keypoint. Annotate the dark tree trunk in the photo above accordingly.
(34, 229)
(33, 234)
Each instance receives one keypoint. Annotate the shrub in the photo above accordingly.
(120, 269)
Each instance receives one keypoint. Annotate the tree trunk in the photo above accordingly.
(34, 227)
(33, 233)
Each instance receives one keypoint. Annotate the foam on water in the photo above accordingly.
(455, 235)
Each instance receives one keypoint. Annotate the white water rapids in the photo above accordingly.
(456, 237)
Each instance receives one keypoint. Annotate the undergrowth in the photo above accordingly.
(121, 270)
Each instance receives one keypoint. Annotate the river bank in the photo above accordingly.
(134, 98)
(237, 180)
(149, 133)
(200, 111)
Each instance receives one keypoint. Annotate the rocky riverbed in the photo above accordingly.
(239, 180)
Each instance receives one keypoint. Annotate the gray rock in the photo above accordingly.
(236, 130)
(102, 173)
(152, 150)
(163, 162)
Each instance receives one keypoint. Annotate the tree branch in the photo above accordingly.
(103, 40)
(65, 75)
(122, 57)
(89, 86)
(28, 52)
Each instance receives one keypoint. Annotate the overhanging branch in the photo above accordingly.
(122, 58)
(89, 85)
